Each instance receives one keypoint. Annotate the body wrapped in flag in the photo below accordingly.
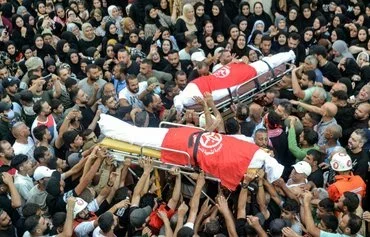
(222, 156)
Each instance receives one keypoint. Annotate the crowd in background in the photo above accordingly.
(64, 63)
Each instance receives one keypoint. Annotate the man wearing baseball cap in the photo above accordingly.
(345, 181)
(38, 193)
(298, 176)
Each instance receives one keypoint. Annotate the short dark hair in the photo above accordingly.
(330, 221)
(55, 103)
(354, 223)
(310, 136)
(179, 73)
(311, 75)
(39, 152)
(351, 201)
(173, 51)
(190, 38)
(105, 98)
(58, 219)
(294, 35)
(39, 131)
(315, 117)
(327, 204)
(274, 119)
(168, 87)
(106, 222)
(266, 38)
(317, 155)
(30, 209)
(92, 66)
(37, 107)
(232, 126)
(147, 61)
(288, 107)
(340, 95)
(148, 199)
(31, 222)
(242, 111)
(130, 77)
(148, 98)
(291, 205)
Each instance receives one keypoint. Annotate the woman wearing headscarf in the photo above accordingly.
(50, 67)
(258, 26)
(30, 20)
(60, 15)
(260, 14)
(340, 50)
(244, 11)
(221, 21)
(43, 50)
(338, 21)
(319, 25)
(338, 34)
(154, 20)
(96, 17)
(308, 39)
(13, 53)
(127, 25)
(185, 25)
(240, 48)
(89, 39)
(200, 16)
(21, 10)
(292, 19)
(360, 44)
(306, 19)
(62, 50)
(74, 61)
(242, 23)
(110, 33)
(136, 46)
(115, 17)
(255, 41)
(71, 39)
(7, 10)
(22, 34)
(279, 7)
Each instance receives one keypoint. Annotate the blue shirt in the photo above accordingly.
(118, 85)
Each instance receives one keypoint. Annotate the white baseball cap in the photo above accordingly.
(198, 57)
(42, 172)
(303, 167)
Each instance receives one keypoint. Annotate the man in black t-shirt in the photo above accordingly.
(6, 226)
(314, 158)
(359, 157)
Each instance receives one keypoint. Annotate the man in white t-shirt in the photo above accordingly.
(23, 143)
(134, 92)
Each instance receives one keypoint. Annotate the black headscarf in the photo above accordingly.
(7, 10)
(62, 55)
(150, 20)
(71, 39)
(221, 22)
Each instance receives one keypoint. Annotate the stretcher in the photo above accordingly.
(121, 150)
(245, 92)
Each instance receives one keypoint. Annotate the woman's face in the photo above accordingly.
(316, 24)
(81, 7)
(245, 10)
(112, 29)
(166, 34)
(361, 60)
(61, 13)
(74, 58)
(367, 11)
(257, 40)
(66, 48)
(97, 16)
(28, 53)
(142, 34)
(306, 13)
(200, 11)
(97, 4)
(353, 32)
(19, 22)
(41, 8)
(208, 28)
(74, 7)
(234, 32)
(215, 10)
(76, 31)
(308, 35)
(336, 21)
(115, 12)
(83, 67)
(241, 42)
(258, 9)
(166, 46)
(134, 38)
(210, 42)
(243, 25)
(362, 35)
(282, 24)
(89, 32)
(333, 36)
(293, 15)
(39, 42)
(71, 16)
(48, 39)
(110, 52)
(252, 56)
(51, 68)
(11, 49)
(282, 39)
(190, 14)
(356, 10)
(260, 27)
(164, 4)
(338, 10)
(153, 13)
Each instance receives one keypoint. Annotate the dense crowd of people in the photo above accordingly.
(64, 63)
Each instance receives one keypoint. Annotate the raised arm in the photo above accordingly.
(308, 107)
(14, 195)
(194, 202)
(310, 224)
(225, 211)
(68, 224)
(172, 203)
(148, 166)
(243, 196)
(297, 90)
(181, 212)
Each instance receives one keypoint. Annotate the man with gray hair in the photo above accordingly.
(310, 63)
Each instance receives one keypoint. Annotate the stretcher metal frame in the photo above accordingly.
(257, 86)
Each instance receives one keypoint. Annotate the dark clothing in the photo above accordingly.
(180, 29)
(6, 205)
(5, 132)
(10, 232)
(84, 45)
(287, 94)
(247, 128)
(185, 66)
(360, 163)
(345, 119)
(133, 69)
(299, 52)
(153, 120)
(87, 117)
(167, 103)
(317, 178)
(194, 74)
(330, 71)
(282, 155)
